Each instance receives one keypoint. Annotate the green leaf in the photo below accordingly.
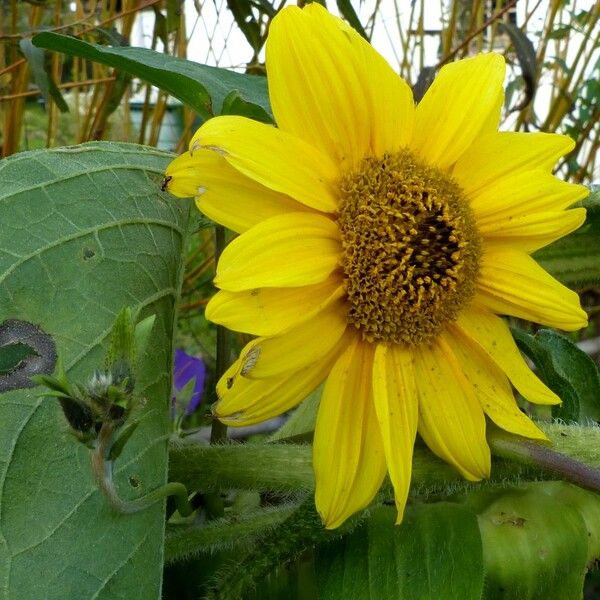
(247, 23)
(585, 502)
(160, 26)
(36, 59)
(302, 421)
(435, 553)
(11, 356)
(234, 104)
(184, 395)
(559, 33)
(200, 87)
(575, 259)
(121, 441)
(535, 546)
(174, 8)
(567, 371)
(85, 231)
(527, 60)
(424, 81)
(347, 11)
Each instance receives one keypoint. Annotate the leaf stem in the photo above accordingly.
(536, 454)
(102, 469)
(288, 467)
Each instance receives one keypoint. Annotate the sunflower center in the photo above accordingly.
(410, 248)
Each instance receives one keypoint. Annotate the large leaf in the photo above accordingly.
(85, 231)
(535, 540)
(201, 87)
(435, 553)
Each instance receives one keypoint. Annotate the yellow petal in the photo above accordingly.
(522, 194)
(497, 155)
(395, 396)
(183, 177)
(288, 250)
(248, 401)
(451, 420)
(492, 388)
(269, 311)
(512, 283)
(296, 348)
(464, 100)
(223, 194)
(276, 159)
(491, 335)
(348, 455)
(328, 86)
(529, 233)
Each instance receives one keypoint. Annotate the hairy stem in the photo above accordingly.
(102, 469)
(538, 455)
(288, 467)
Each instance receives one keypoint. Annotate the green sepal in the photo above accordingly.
(122, 342)
(119, 443)
(79, 416)
(58, 382)
(78, 413)
(142, 332)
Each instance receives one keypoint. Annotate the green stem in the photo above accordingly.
(276, 467)
(535, 454)
(288, 467)
(218, 432)
(183, 542)
(102, 468)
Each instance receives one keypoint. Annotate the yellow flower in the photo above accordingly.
(379, 241)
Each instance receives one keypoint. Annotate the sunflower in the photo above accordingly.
(378, 244)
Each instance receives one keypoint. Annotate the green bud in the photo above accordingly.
(122, 375)
(97, 389)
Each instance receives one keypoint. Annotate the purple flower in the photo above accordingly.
(188, 367)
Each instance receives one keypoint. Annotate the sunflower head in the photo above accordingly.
(379, 243)
(410, 248)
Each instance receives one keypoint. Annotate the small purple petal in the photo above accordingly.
(187, 367)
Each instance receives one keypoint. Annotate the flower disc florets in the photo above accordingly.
(411, 248)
